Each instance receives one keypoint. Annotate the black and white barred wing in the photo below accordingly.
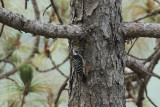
(78, 66)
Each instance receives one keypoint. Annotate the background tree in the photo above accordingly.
(98, 30)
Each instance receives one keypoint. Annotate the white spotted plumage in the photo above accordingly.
(78, 63)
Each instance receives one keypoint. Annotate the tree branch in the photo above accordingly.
(5, 75)
(2, 3)
(37, 39)
(2, 24)
(57, 68)
(132, 45)
(135, 30)
(26, 1)
(60, 90)
(46, 9)
(153, 63)
(130, 30)
(36, 9)
(137, 66)
(55, 10)
(148, 15)
(38, 28)
(150, 98)
(6, 60)
(2, 28)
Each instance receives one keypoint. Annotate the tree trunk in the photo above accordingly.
(103, 53)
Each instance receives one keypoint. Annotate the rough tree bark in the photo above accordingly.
(103, 52)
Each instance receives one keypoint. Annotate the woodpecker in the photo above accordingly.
(78, 63)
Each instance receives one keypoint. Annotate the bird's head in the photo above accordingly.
(75, 50)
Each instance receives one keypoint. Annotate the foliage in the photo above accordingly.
(26, 74)
(20, 45)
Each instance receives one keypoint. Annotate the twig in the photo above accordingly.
(60, 90)
(10, 53)
(12, 80)
(57, 67)
(151, 56)
(37, 14)
(2, 24)
(139, 68)
(52, 67)
(14, 70)
(153, 63)
(132, 45)
(2, 3)
(36, 44)
(25, 93)
(150, 99)
(55, 9)
(26, 3)
(2, 30)
(150, 14)
(10, 72)
(6, 60)
(36, 9)
(153, 74)
(2, 68)
(51, 19)
(46, 9)
(23, 100)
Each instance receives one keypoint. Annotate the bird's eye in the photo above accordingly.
(76, 51)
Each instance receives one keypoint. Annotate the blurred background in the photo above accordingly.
(49, 66)
(144, 47)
